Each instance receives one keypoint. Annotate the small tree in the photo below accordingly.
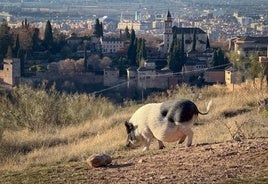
(66, 52)
(255, 69)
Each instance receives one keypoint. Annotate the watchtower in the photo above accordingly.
(11, 71)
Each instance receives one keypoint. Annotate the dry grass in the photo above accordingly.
(233, 116)
(24, 148)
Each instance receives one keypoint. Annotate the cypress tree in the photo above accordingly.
(173, 54)
(9, 53)
(4, 38)
(181, 57)
(127, 34)
(22, 56)
(48, 36)
(176, 55)
(141, 51)
(194, 41)
(85, 56)
(35, 39)
(214, 58)
(144, 51)
(182, 46)
(16, 46)
(139, 54)
(101, 29)
(208, 44)
(25, 24)
(132, 49)
(98, 29)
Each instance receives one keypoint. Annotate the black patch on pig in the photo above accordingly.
(178, 110)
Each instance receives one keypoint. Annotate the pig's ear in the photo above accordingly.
(129, 126)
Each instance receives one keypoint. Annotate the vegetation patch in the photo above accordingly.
(233, 113)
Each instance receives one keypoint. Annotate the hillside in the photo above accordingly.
(230, 144)
(226, 162)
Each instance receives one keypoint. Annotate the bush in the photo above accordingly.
(41, 108)
(4, 110)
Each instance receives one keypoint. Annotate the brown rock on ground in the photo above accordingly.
(99, 160)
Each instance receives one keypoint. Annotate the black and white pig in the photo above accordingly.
(169, 121)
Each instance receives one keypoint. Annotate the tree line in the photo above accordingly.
(26, 39)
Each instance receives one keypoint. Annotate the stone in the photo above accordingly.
(99, 160)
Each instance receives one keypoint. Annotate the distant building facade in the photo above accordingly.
(112, 45)
(191, 35)
(188, 35)
(233, 76)
(110, 76)
(136, 25)
(214, 76)
(73, 40)
(245, 46)
(146, 77)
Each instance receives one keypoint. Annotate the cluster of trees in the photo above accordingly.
(219, 60)
(136, 53)
(26, 39)
(249, 67)
(176, 55)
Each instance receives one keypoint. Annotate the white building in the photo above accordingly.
(112, 45)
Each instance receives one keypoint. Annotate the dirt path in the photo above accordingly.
(229, 162)
(211, 163)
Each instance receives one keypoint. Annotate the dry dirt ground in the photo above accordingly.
(210, 163)
(229, 162)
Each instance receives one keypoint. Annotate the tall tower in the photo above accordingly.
(167, 32)
(12, 71)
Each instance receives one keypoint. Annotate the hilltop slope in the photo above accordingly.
(240, 162)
